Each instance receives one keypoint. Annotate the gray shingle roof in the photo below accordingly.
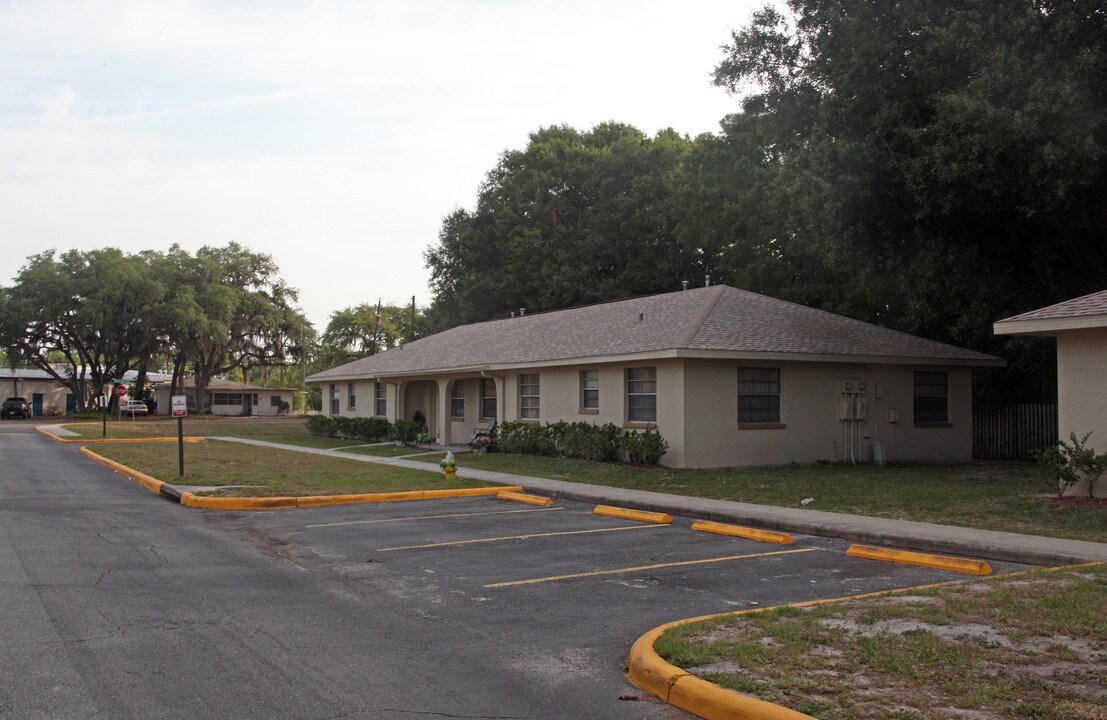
(719, 318)
(1094, 304)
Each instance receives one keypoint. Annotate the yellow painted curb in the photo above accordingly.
(939, 562)
(524, 498)
(102, 441)
(287, 502)
(150, 483)
(628, 514)
(743, 532)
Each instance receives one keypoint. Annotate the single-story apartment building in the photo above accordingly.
(226, 397)
(45, 394)
(1080, 326)
(728, 377)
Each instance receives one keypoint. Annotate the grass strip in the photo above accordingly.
(1007, 496)
(1031, 645)
(273, 472)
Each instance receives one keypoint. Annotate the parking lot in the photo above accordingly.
(567, 589)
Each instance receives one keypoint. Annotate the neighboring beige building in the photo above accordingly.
(1080, 326)
(225, 397)
(728, 377)
(45, 394)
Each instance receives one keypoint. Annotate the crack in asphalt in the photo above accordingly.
(158, 555)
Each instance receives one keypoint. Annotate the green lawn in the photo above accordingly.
(991, 495)
(272, 472)
(385, 450)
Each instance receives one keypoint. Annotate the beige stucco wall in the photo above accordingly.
(53, 394)
(1082, 391)
(809, 413)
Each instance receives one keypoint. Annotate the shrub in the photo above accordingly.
(525, 438)
(320, 425)
(1066, 465)
(373, 429)
(646, 447)
(586, 441)
(406, 431)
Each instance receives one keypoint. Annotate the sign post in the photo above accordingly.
(179, 404)
(104, 412)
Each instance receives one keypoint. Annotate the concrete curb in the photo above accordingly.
(103, 441)
(650, 672)
(189, 499)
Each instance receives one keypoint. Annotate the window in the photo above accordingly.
(758, 395)
(380, 400)
(590, 390)
(457, 400)
(487, 398)
(642, 395)
(334, 399)
(274, 401)
(226, 398)
(931, 397)
(528, 396)
(351, 397)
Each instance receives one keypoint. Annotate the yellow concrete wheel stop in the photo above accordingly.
(628, 514)
(904, 557)
(743, 532)
(525, 498)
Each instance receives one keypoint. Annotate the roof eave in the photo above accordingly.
(1048, 326)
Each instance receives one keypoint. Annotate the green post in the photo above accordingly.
(180, 446)
(104, 414)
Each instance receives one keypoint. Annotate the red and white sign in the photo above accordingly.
(179, 404)
(120, 390)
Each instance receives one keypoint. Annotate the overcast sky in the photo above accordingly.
(333, 135)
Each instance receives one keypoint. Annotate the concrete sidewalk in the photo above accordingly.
(927, 537)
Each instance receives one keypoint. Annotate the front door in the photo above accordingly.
(70, 404)
(247, 404)
(36, 404)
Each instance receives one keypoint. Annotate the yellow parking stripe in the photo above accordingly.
(519, 537)
(640, 568)
(429, 517)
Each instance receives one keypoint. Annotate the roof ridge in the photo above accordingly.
(1071, 301)
(698, 324)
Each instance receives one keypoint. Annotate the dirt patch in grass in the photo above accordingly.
(1028, 646)
(273, 472)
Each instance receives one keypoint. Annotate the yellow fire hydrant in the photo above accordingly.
(449, 466)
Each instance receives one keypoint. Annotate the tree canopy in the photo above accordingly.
(929, 165)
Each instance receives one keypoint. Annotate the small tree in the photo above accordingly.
(1068, 464)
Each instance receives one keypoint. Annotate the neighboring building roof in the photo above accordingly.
(1089, 311)
(220, 385)
(717, 321)
(25, 374)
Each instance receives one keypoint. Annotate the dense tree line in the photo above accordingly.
(929, 165)
(88, 317)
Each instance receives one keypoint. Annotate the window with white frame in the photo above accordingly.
(931, 397)
(758, 395)
(589, 389)
(334, 399)
(487, 398)
(642, 395)
(528, 396)
(380, 400)
(457, 400)
(351, 396)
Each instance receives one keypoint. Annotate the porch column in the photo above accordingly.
(442, 411)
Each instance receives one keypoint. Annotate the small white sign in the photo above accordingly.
(103, 401)
(179, 404)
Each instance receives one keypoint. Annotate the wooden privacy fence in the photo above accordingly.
(1012, 431)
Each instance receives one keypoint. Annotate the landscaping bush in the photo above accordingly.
(320, 425)
(646, 447)
(1066, 465)
(406, 431)
(373, 429)
(525, 438)
(586, 441)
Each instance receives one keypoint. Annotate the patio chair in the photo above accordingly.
(482, 432)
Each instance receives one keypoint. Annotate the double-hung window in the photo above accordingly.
(590, 390)
(457, 400)
(642, 395)
(351, 396)
(528, 396)
(334, 399)
(487, 398)
(758, 395)
(380, 400)
(931, 397)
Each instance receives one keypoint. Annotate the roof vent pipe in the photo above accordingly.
(522, 312)
(684, 284)
(707, 281)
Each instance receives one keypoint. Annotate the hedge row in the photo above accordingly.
(583, 440)
(362, 428)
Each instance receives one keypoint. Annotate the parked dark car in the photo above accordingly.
(15, 408)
